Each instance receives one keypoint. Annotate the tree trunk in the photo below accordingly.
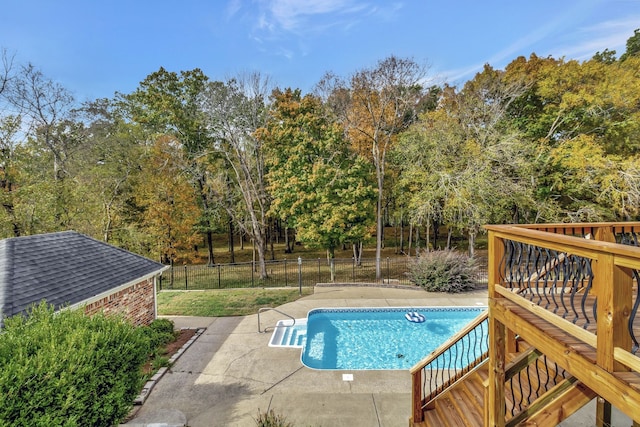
(211, 260)
(396, 246)
(427, 236)
(261, 249)
(410, 239)
(449, 233)
(271, 231)
(207, 222)
(357, 253)
(332, 265)
(472, 243)
(380, 176)
(231, 248)
(288, 249)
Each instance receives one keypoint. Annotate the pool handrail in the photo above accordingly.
(276, 310)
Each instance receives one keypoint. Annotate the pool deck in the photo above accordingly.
(230, 373)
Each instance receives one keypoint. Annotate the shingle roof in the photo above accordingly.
(63, 268)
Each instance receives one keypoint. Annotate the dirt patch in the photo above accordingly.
(183, 336)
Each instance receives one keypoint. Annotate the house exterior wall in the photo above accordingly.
(136, 303)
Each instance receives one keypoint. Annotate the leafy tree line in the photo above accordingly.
(183, 157)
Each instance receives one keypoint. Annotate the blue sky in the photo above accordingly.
(97, 48)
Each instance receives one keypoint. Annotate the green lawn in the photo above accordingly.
(220, 303)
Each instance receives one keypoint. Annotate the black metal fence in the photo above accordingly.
(292, 273)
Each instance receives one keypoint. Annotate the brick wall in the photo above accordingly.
(136, 303)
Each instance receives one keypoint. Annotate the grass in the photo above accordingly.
(223, 303)
(281, 274)
(191, 255)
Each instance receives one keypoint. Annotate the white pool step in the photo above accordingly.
(287, 335)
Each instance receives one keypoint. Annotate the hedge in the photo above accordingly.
(67, 369)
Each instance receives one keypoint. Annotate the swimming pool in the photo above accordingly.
(378, 338)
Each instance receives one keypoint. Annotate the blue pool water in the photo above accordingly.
(378, 338)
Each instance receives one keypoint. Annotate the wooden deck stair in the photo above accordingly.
(460, 405)
(554, 398)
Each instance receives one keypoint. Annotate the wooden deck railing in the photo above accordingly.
(448, 363)
(570, 290)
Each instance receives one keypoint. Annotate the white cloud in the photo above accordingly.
(552, 39)
(291, 14)
(233, 7)
(612, 35)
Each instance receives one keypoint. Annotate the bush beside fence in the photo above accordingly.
(292, 273)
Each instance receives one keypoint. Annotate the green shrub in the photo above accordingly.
(159, 332)
(271, 419)
(67, 369)
(443, 271)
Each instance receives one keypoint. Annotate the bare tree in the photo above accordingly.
(6, 71)
(235, 110)
(48, 106)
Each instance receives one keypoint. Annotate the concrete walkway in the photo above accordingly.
(230, 372)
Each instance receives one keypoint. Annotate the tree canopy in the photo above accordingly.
(161, 169)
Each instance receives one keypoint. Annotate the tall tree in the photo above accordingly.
(107, 169)
(592, 103)
(318, 184)
(6, 72)
(170, 103)
(170, 208)
(46, 107)
(9, 174)
(234, 111)
(462, 163)
(375, 105)
(633, 46)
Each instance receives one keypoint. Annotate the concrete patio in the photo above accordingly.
(230, 372)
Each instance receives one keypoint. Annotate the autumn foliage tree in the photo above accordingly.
(318, 184)
(169, 103)
(170, 209)
(374, 106)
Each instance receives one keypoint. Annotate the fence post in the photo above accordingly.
(353, 269)
(253, 268)
(388, 272)
(219, 284)
(286, 281)
(299, 275)
(160, 282)
(171, 274)
(185, 278)
(318, 270)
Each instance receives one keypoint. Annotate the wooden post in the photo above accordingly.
(416, 396)
(496, 369)
(497, 336)
(613, 286)
(605, 234)
(604, 289)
